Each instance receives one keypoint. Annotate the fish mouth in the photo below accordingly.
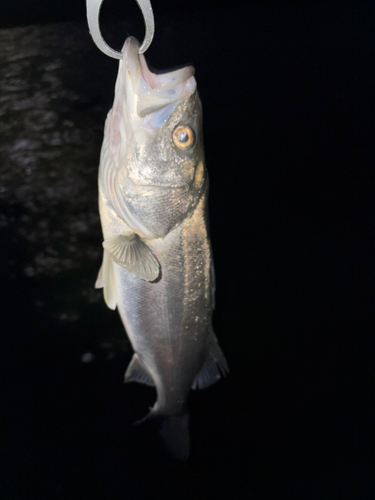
(154, 91)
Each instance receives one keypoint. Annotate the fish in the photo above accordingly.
(157, 266)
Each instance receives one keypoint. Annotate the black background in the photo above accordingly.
(288, 96)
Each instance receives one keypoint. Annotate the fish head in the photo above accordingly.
(155, 141)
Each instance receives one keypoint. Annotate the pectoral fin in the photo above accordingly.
(136, 372)
(214, 367)
(132, 253)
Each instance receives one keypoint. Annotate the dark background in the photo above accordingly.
(288, 95)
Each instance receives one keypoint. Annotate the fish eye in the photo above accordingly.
(183, 137)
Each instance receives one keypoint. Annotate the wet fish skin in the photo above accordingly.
(157, 260)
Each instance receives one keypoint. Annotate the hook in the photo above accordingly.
(93, 12)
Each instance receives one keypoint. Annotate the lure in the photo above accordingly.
(157, 262)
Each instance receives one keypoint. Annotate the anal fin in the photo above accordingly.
(214, 367)
(136, 372)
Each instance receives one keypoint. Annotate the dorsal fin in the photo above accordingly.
(134, 255)
(214, 367)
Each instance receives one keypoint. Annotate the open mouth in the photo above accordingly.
(155, 90)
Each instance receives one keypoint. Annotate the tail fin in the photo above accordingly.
(174, 430)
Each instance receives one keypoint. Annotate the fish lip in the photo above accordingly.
(131, 48)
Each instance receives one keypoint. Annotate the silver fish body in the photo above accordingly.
(157, 262)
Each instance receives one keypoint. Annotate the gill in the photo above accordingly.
(93, 13)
